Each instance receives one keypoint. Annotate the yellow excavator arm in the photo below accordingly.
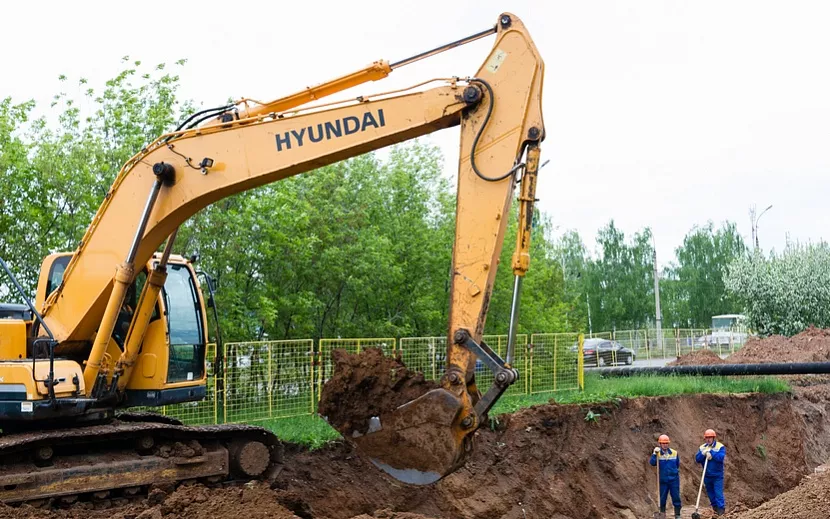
(220, 152)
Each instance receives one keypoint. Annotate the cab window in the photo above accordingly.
(184, 321)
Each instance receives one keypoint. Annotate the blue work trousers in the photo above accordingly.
(714, 489)
(672, 486)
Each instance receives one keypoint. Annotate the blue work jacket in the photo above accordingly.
(669, 464)
(715, 467)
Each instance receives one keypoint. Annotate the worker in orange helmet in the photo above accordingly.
(713, 452)
(669, 474)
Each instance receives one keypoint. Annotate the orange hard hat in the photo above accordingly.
(663, 439)
(710, 433)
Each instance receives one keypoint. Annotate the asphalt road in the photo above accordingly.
(641, 363)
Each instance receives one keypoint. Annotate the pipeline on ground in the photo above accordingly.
(714, 370)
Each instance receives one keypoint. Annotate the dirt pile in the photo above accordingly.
(811, 345)
(809, 500)
(254, 500)
(573, 462)
(698, 358)
(366, 385)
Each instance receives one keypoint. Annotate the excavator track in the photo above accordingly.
(129, 453)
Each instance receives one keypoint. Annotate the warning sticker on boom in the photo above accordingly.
(495, 60)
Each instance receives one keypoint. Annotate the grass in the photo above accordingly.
(313, 432)
(603, 390)
(310, 431)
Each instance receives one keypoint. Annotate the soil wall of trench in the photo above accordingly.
(550, 462)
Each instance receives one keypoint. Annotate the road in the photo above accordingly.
(643, 363)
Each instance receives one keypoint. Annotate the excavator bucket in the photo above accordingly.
(419, 442)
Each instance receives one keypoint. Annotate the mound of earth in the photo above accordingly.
(703, 357)
(811, 345)
(365, 385)
(809, 500)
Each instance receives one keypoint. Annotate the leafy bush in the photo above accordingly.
(784, 294)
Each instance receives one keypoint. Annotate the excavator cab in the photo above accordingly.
(171, 361)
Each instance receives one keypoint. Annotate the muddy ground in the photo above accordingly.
(548, 461)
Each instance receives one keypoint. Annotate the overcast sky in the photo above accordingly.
(658, 113)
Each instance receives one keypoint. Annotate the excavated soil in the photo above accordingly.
(697, 358)
(366, 385)
(809, 500)
(811, 345)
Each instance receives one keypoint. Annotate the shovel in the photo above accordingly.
(658, 514)
(696, 514)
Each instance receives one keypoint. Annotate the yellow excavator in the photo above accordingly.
(120, 322)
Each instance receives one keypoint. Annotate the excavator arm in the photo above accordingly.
(250, 144)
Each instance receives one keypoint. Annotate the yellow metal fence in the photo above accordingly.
(268, 379)
(674, 342)
(428, 355)
(265, 380)
(553, 362)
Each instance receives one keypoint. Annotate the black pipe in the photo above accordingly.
(715, 370)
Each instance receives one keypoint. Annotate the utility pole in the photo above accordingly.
(756, 225)
(590, 328)
(658, 317)
(754, 221)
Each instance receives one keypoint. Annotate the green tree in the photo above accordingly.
(701, 264)
(56, 169)
(356, 248)
(572, 256)
(620, 281)
(542, 305)
(785, 293)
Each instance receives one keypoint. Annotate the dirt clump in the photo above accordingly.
(181, 450)
(703, 357)
(809, 500)
(367, 384)
(811, 345)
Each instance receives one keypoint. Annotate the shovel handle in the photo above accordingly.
(658, 480)
(697, 503)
